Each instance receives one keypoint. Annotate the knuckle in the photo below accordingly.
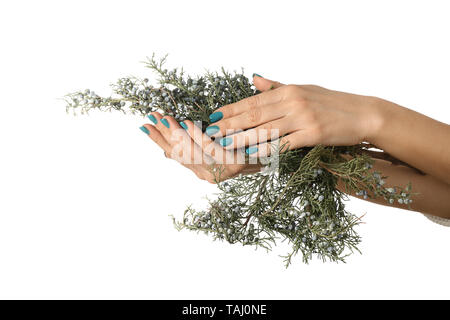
(317, 133)
(168, 153)
(253, 101)
(300, 102)
(284, 144)
(224, 124)
(227, 110)
(176, 143)
(268, 132)
(180, 156)
(290, 89)
(254, 114)
(212, 152)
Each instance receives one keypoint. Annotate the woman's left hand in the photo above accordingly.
(185, 143)
(303, 115)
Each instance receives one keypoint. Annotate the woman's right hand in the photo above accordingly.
(299, 115)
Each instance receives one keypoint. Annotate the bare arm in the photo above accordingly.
(308, 115)
(433, 194)
(414, 138)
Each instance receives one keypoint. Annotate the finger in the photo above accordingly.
(165, 124)
(181, 140)
(249, 119)
(233, 109)
(220, 164)
(268, 131)
(169, 128)
(263, 84)
(182, 148)
(182, 151)
(211, 148)
(158, 138)
(291, 141)
(207, 145)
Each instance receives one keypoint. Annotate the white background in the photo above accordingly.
(84, 201)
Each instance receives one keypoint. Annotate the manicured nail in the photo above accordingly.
(165, 122)
(185, 127)
(225, 141)
(212, 130)
(216, 116)
(256, 75)
(145, 130)
(251, 150)
(152, 118)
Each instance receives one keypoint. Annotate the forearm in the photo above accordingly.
(432, 194)
(414, 138)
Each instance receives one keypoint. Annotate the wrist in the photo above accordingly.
(378, 116)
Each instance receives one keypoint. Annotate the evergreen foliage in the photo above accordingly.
(299, 202)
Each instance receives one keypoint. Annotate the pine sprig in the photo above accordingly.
(297, 202)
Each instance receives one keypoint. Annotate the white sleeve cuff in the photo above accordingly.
(442, 221)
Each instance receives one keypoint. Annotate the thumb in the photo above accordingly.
(263, 84)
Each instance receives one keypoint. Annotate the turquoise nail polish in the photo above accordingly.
(145, 130)
(257, 75)
(152, 118)
(216, 116)
(165, 122)
(212, 130)
(251, 150)
(225, 141)
(183, 125)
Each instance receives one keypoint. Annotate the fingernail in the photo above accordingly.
(256, 75)
(152, 118)
(212, 130)
(216, 116)
(225, 141)
(145, 130)
(251, 150)
(185, 127)
(165, 122)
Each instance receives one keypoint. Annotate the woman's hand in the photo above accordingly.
(308, 115)
(185, 143)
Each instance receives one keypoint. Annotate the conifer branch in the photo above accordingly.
(299, 202)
